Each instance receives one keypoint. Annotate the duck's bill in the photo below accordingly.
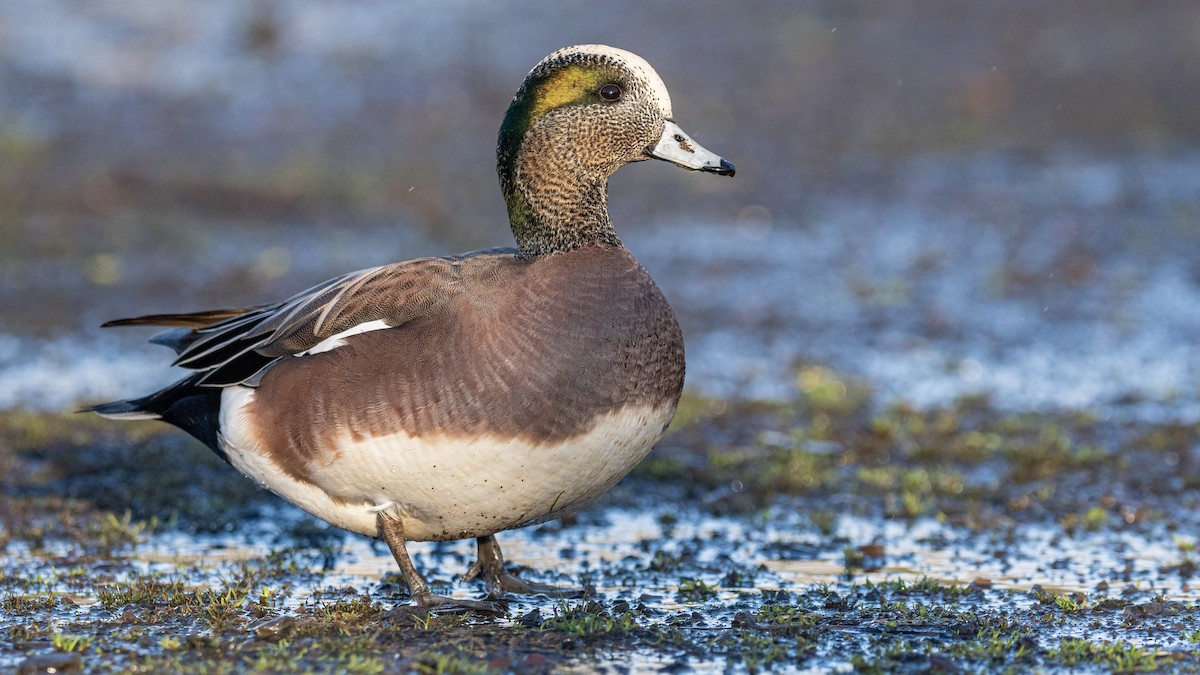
(678, 148)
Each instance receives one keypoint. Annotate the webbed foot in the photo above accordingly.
(490, 566)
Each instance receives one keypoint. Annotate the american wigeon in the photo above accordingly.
(446, 398)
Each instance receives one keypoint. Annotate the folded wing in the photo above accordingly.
(237, 346)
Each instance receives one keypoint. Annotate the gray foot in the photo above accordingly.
(490, 566)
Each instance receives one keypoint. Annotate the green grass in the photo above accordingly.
(1115, 656)
(696, 590)
(589, 619)
(80, 500)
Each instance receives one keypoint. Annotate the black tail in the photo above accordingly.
(190, 407)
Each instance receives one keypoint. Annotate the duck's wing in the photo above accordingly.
(237, 346)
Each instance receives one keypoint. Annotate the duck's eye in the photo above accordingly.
(610, 92)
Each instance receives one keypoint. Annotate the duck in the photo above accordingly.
(456, 397)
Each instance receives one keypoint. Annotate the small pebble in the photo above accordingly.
(743, 619)
(275, 629)
(531, 620)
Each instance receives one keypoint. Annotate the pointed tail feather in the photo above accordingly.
(190, 320)
(121, 410)
(186, 404)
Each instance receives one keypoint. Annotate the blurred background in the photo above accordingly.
(935, 198)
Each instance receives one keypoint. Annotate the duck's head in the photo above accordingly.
(582, 113)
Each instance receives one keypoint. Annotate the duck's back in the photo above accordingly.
(529, 394)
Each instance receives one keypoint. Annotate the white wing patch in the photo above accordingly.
(339, 339)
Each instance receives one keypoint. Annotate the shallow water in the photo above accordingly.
(609, 551)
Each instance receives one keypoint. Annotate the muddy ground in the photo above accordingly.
(955, 538)
(943, 401)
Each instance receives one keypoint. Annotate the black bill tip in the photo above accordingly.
(725, 169)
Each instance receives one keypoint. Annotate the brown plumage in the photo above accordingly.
(518, 349)
(450, 397)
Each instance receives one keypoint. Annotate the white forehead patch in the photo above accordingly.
(631, 61)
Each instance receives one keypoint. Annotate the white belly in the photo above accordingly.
(443, 487)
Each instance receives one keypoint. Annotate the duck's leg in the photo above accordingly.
(393, 533)
(490, 565)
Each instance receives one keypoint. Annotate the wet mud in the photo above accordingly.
(880, 540)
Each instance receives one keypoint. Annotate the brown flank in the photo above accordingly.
(532, 349)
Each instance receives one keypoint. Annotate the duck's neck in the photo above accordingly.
(553, 205)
